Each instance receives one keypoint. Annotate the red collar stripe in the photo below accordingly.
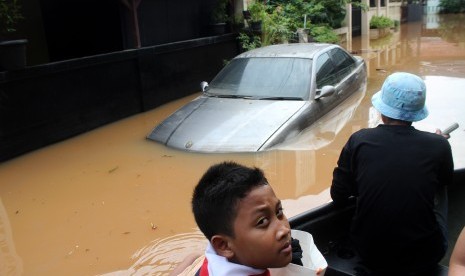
(203, 271)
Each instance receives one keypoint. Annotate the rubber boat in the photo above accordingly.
(329, 226)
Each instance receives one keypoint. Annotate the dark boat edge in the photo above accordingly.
(329, 225)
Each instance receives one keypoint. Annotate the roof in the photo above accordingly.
(295, 50)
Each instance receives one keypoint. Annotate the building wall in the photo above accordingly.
(432, 7)
(60, 30)
(44, 104)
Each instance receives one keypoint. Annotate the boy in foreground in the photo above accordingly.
(243, 220)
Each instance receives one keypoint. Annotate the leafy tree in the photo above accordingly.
(452, 6)
(257, 11)
(249, 41)
(282, 18)
(10, 16)
(220, 13)
(331, 12)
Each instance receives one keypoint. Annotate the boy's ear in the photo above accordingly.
(222, 246)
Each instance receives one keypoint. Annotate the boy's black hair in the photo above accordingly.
(215, 198)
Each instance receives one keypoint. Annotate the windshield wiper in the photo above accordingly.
(282, 98)
(228, 96)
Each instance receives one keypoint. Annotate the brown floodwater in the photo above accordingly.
(111, 202)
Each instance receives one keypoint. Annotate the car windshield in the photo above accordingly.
(264, 78)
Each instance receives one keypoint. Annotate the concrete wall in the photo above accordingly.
(393, 10)
(44, 104)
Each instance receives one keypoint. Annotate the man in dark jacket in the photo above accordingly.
(396, 172)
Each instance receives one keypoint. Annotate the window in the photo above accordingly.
(325, 71)
(343, 62)
(382, 3)
(264, 77)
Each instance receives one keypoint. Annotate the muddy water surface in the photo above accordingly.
(111, 202)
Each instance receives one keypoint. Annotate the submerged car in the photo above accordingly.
(263, 97)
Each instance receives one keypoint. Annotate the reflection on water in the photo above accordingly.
(162, 255)
(443, 94)
(111, 202)
(11, 263)
(451, 28)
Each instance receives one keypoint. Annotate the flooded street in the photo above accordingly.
(110, 202)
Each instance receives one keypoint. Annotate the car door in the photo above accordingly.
(344, 72)
(325, 75)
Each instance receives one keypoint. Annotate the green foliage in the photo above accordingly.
(330, 12)
(257, 11)
(378, 22)
(219, 13)
(249, 42)
(452, 6)
(277, 27)
(238, 22)
(282, 18)
(360, 5)
(296, 12)
(324, 33)
(10, 16)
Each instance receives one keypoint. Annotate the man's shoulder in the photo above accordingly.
(365, 132)
(434, 137)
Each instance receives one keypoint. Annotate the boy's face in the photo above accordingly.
(262, 232)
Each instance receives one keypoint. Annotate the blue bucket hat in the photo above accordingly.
(402, 97)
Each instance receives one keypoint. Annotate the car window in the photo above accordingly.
(343, 62)
(325, 71)
(264, 77)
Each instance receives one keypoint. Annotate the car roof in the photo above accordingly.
(295, 50)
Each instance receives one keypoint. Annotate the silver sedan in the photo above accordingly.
(264, 97)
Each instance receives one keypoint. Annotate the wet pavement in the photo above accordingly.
(111, 202)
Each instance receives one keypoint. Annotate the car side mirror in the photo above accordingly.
(326, 91)
(204, 86)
